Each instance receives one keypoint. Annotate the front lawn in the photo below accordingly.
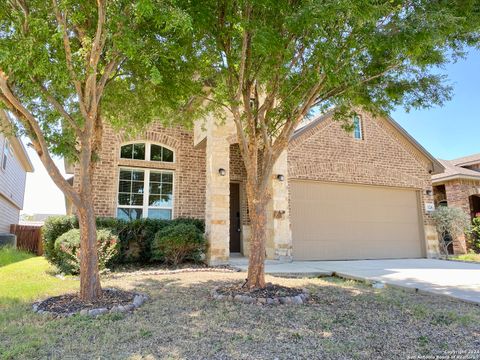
(468, 257)
(348, 320)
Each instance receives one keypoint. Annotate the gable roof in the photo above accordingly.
(453, 171)
(437, 166)
(466, 160)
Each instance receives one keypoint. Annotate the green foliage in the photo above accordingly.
(178, 243)
(451, 222)
(135, 237)
(148, 39)
(474, 240)
(10, 255)
(67, 248)
(52, 229)
(347, 53)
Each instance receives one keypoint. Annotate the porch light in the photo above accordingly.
(222, 172)
(280, 177)
(428, 192)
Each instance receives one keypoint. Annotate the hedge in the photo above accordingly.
(135, 237)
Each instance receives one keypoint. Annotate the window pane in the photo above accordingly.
(126, 174)
(138, 175)
(160, 214)
(167, 178)
(155, 153)
(129, 214)
(166, 201)
(167, 189)
(155, 188)
(137, 199)
(139, 151)
(124, 186)
(155, 177)
(167, 155)
(126, 151)
(154, 200)
(123, 199)
(137, 187)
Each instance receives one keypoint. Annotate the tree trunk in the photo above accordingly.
(90, 288)
(256, 259)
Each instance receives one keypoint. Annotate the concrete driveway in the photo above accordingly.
(459, 280)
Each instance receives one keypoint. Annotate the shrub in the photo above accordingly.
(135, 237)
(451, 223)
(178, 243)
(54, 227)
(474, 241)
(67, 249)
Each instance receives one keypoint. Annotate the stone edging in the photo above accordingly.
(138, 300)
(294, 300)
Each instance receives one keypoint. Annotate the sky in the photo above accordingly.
(446, 132)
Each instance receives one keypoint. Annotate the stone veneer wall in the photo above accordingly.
(383, 157)
(189, 168)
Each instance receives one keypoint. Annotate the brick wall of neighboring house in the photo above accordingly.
(458, 194)
(383, 157)
(12, 187)
(189, 169)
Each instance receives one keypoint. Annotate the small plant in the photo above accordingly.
(474, 240)
(451, 223)
(67, 250)
(178, 243)
(54, 227)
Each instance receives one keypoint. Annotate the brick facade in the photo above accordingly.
(324, 152)
(189, 169)
(383, 157)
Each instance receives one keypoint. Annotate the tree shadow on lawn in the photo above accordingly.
(181, 320)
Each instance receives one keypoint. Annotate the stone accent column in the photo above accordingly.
(279, 235)
(217, 210)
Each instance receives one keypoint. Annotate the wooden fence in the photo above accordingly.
(29, 238)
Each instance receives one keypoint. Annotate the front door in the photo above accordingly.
(235, 225)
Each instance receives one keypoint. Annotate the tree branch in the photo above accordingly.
(37, 138)
(58, 106)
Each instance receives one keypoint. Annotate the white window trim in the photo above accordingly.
(146, 183)
(148, 145)
(6, 144)
(360, 127)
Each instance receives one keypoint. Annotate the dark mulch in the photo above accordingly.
(71, 303)
(270, 291)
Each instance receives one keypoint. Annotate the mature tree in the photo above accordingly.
(269, 62)
(67, 66)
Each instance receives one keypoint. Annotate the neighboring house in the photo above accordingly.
(335, 195)
(14, 165)
(459, 186)
(35, 219)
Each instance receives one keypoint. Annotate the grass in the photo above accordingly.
(349, 320)
(468, 257)
(9, 255)
(25, 277)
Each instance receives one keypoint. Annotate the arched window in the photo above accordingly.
(146, 151)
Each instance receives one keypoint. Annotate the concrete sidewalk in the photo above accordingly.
(455, 279)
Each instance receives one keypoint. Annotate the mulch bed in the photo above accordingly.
(112, 300)
(272, 294)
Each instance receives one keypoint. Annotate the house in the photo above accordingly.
(335, 195)
(459, 186)
(14, 165)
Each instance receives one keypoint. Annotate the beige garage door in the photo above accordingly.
(335, 222)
